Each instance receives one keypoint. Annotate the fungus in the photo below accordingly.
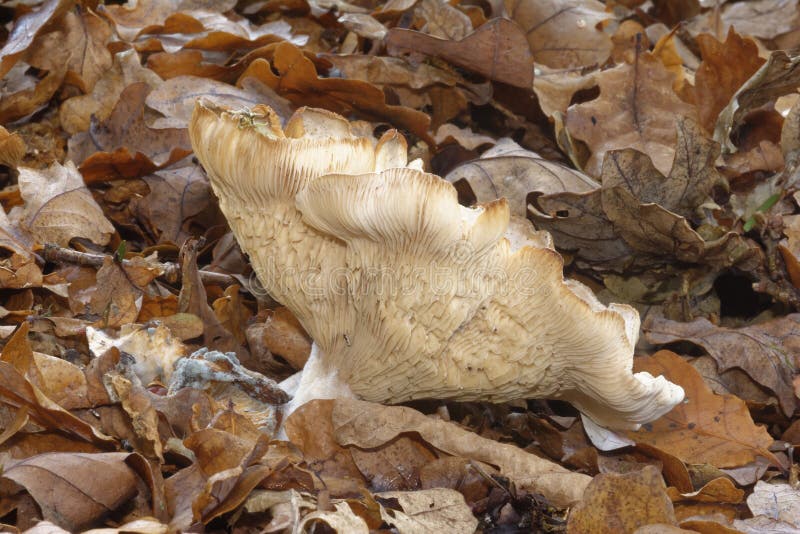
(406, 293)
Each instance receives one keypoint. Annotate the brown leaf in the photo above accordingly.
(125, 127)
(765, 351)
(720, 490)
(637, 108)
(119, 290)
(395, 466)
(297, 80)
(193, 299)
(78, 43)
(26, 29)
(368, 425)
(690, 182)
(705, 428)
(75, 114)
(563, 33)
(176, 195)
(59, 207)
(280, 334)
(175, 98)
(311, 429)
(622, 503)
(725, 67)
(75, 489)
(23, 92)
(611, 229)
(779, 76)
(762, 18)
(130, 20)
(496, 50)
(12, 148)
(433, 510)
(513, 173)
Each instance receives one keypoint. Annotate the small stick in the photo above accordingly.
(170, 271)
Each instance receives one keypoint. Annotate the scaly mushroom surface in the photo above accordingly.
(406, 293)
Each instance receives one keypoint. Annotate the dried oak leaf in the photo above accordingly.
(705, 428)
(496, 50)
(761, 18)
(123, 132)
(563, 33)
(27, 28)
(77, 113)
(176, 97)
(131, 20)
(12, 148)
(690, 181)
(720, 490)
(779, 76)
(59, 207)
(767, 351)
(75, 490)
(176, 195)
(609, 228)
(368, 425)
(297, 80)
(509, 171)
(725, 67)
(119, 290)
(623, 502)
(78, 43)
(209, 30)
(637, 108)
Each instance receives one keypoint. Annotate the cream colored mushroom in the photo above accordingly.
(406, 293)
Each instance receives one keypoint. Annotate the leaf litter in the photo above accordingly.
(657, 142)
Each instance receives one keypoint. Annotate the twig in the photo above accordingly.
(170, 271)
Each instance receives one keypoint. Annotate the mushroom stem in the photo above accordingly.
(316, 381)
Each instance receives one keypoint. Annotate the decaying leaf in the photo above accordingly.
(59, 207)
(767, 352)
(622, 503)
(369, 425)
(706, 428)
(509, 171)
(496, 50)
(637, 108)
(297, 80)
(75, 489)
(563, 34)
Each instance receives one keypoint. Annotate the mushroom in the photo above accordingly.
(406, 293)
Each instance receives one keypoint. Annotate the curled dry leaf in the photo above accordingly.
(432, 510)
(75, 114)
(26, 29)
(496, 50)
(370, 425)
(74, 490)
(637, 108)
(176, 195)
(59, 207)
(124, 145)
(779, 76)
(623, 503)
(690, 182)
(725, 67)
(563, 33)
(12, 148)
(706, 428)
(717, 490)
(509, 171)
(776, 500)
(761, 18)
(175, 98)
(130, 20)
(297, 80)
(767, 352)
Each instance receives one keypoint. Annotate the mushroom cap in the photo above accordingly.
(408, 294)
(446, 307)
